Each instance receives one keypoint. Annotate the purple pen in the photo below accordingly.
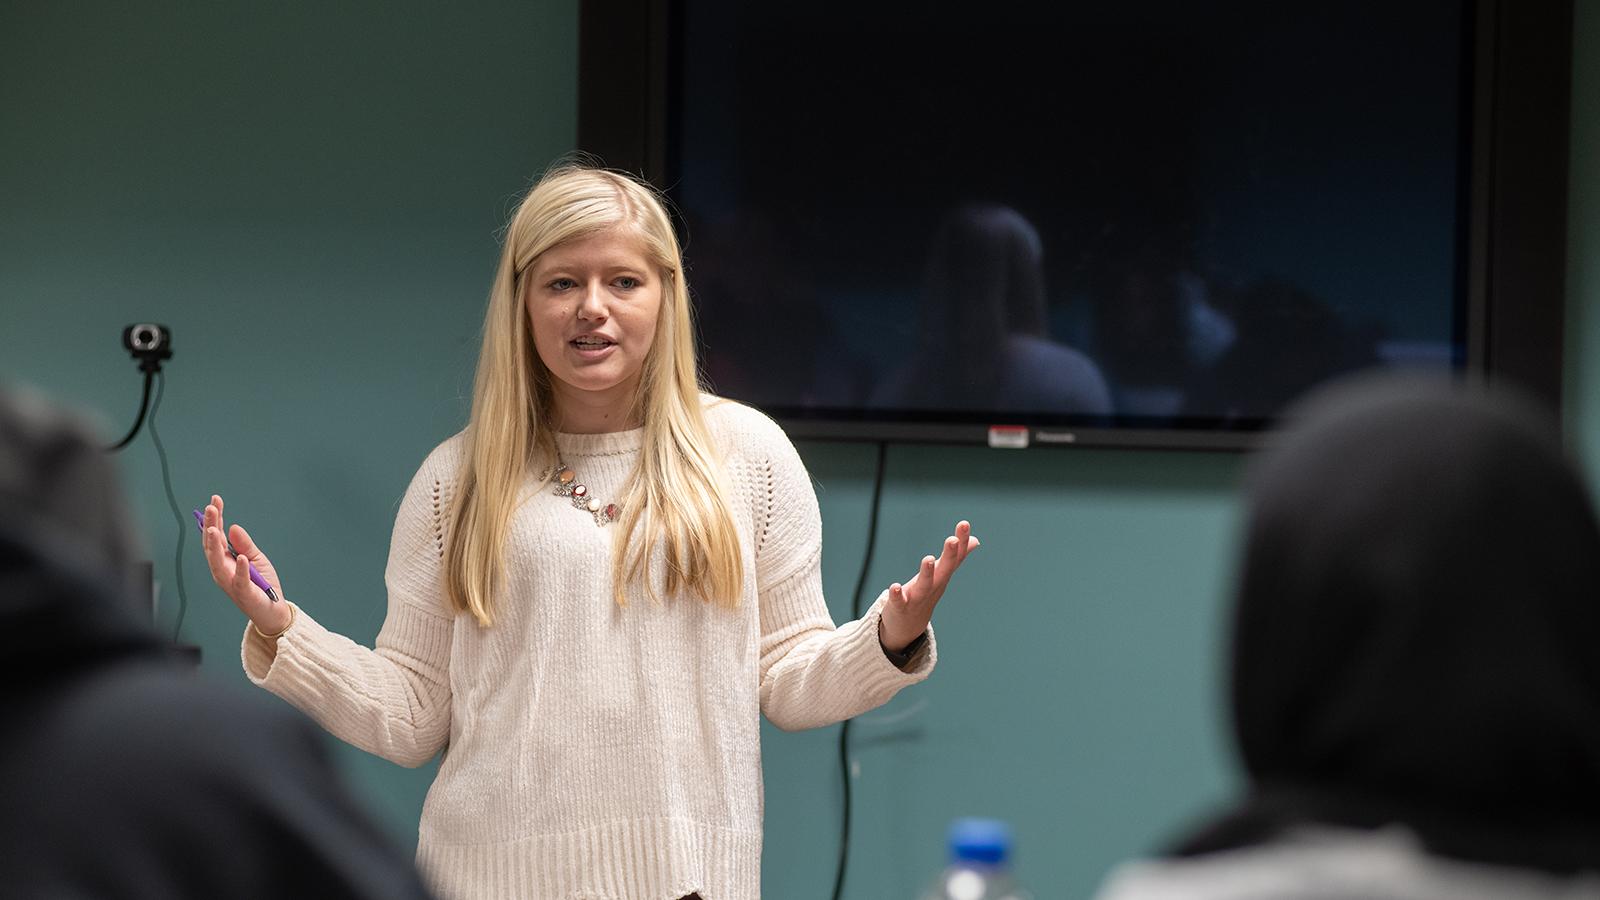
(255, 576)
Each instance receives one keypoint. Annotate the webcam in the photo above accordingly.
(150, 344)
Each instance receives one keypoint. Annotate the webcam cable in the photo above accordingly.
(144, 406)
(172, 502)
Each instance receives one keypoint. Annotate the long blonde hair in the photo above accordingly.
(675, 493)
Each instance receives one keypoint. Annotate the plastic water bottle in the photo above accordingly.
(980, 864)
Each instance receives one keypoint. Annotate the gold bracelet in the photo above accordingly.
(279, 634)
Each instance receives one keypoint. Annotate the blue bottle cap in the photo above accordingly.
(979, 840)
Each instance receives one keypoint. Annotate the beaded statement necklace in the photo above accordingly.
(567, 485)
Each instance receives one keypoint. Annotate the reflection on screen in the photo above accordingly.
(1150, 212)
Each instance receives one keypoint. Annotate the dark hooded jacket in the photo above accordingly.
(1414, 658)
(124, 772)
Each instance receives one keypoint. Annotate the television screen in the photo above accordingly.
(1153, 216)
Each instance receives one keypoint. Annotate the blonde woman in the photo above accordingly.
(595, 590)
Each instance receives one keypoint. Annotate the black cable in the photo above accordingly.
(144, 404)
(172, 501)
(855, 613)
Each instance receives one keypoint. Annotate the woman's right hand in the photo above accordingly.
(232, 573)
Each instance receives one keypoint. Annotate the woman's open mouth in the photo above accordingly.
(592, 346)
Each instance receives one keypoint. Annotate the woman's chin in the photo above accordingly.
(595, 382)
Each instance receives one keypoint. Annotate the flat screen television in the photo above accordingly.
(1152, 223)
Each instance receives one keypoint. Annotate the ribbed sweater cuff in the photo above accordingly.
(259, 653)
(275, 663)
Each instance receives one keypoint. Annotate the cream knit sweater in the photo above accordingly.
(594, 751)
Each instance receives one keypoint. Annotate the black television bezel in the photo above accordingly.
(1516, 194)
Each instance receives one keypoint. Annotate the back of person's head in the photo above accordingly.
(125, 772)
(58, 486)
(67, 546)
(985, 276)
(1418, 608)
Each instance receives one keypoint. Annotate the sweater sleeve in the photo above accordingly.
(812, 673)
(392, 700)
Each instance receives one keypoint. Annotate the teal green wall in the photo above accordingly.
(310, 198)
(309, 195)
(1076, 692)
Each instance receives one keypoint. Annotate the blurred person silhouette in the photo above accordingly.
(124, 773)
(1415, 688)
(1156, 325)
(983, 340)
(1287, 342)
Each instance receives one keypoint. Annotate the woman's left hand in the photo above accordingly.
(910, 606)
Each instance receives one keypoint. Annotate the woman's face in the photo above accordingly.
(592, 303)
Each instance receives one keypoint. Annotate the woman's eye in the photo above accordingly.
(563, 284)
(627, 282)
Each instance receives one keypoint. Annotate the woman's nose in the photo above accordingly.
(592, 304)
